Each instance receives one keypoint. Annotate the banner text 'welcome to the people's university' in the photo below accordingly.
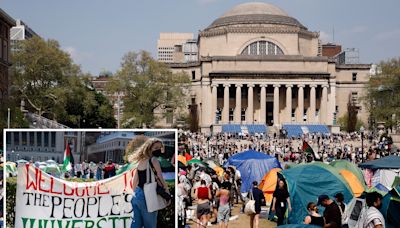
(44, 201)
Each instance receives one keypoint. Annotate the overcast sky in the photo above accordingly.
(97, 33)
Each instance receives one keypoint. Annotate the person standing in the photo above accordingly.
(259, 199)
(99, 171)
(339, 197)
(109, 169)
(314, 218)
(332, 215)
(143, 156)
(203, 195)
(224, 208)
(372, 217)
(281, 198)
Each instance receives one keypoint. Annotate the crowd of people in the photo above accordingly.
(92, 170)
(216, 195)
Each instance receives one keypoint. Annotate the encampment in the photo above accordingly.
(385, 170)
(253, 165)
(268, 184)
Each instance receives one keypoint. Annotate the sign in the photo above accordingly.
(44, 201)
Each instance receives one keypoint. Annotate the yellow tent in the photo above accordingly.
(354, 183)
(268, 183)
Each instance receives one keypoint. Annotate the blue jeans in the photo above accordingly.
(141, 217)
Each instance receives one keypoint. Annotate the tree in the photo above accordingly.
(383, 96)
(45, 77)
(148, 86)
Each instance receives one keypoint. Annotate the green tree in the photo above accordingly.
(45, 77)
(383, 96)
(148, 86)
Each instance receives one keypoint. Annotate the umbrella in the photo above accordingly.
(21, 161)
(52, 169)
(219, 171)
(51, 162)
(182, 159)
(196, 161)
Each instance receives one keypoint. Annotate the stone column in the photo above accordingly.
(250, 108)
(225, 111)
(311, 117)
(238, 106)
(300, 103)
(276, 104)
(324, 104)
(263, 105)
(289, 102)
(214, 102)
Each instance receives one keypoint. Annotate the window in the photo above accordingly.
(193, 75)
(16, 138)
(354, 77)
(53, 139)
(39, 138)
(337, 109)
(262, 48)
(243, 114)
(231, 114)
(46, 139)
(8, 138)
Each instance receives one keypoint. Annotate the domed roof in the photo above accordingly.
(255, 13)
(255, 8)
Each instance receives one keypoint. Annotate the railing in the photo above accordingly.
(36, 121)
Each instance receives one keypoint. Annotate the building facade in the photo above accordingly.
(43, 145)
(6, 22)
(176, 47)
(258, 65)
(20, 32)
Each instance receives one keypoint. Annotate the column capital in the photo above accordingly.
(250, 85)
(214, 85)
(276, 85)
(313, 86)
(227, 85)
(301, 85)
(289, 85)
(263, 85)
(325, 86)
(238, 85)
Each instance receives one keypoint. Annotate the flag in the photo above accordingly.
(307, 148)
(188, 156)
(68, 160)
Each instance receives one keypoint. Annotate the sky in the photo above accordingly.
(97, 33)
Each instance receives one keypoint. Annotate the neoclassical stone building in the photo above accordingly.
(258, 65)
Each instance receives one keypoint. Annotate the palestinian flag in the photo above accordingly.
(188, 156)
(307, 148)
(68, 160)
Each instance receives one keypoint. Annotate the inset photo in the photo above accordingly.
(90, 178)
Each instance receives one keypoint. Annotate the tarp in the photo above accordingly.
(306, 182)
(388, 162)
(268, 184)
(344, 164)
(253, 165)
(391, 208)
(355, 185)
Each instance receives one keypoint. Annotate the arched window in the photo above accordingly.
(262, 48)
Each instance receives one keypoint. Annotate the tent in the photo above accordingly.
(268, 183)
(391, 207)
(346, 165)
(253, 165)
(307, 181)
(355, 185)
(388, 162)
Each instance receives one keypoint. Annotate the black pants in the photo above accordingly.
(280, 213)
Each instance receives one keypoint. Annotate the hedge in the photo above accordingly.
(166, 217)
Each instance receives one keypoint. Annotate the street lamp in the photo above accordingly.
(362, 129)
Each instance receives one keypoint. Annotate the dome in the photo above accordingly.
(255, 8)
(255, 13)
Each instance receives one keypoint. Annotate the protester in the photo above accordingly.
(92, 169)
(332, 215)
(99, 171)
(314, 218)
(109, 169)
(259, 199)
(203, 196)
(78, 170)
(280, 199)
(339, 197)
(372, 217)
(224, 208)
(143, 156)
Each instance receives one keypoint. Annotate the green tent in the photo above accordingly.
(307, 181)
(344, 164)
(391, 208)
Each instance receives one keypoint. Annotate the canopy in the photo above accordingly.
(306, 182)
(253, 165)
(388, 162)
(268, 183)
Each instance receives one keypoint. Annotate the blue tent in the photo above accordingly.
(306, 182)
(391, 207)
(253, 165)
(388, 162)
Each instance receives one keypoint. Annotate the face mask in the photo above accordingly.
(157, 153)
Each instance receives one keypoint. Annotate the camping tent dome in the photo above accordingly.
(306, 182)
(253, 165)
